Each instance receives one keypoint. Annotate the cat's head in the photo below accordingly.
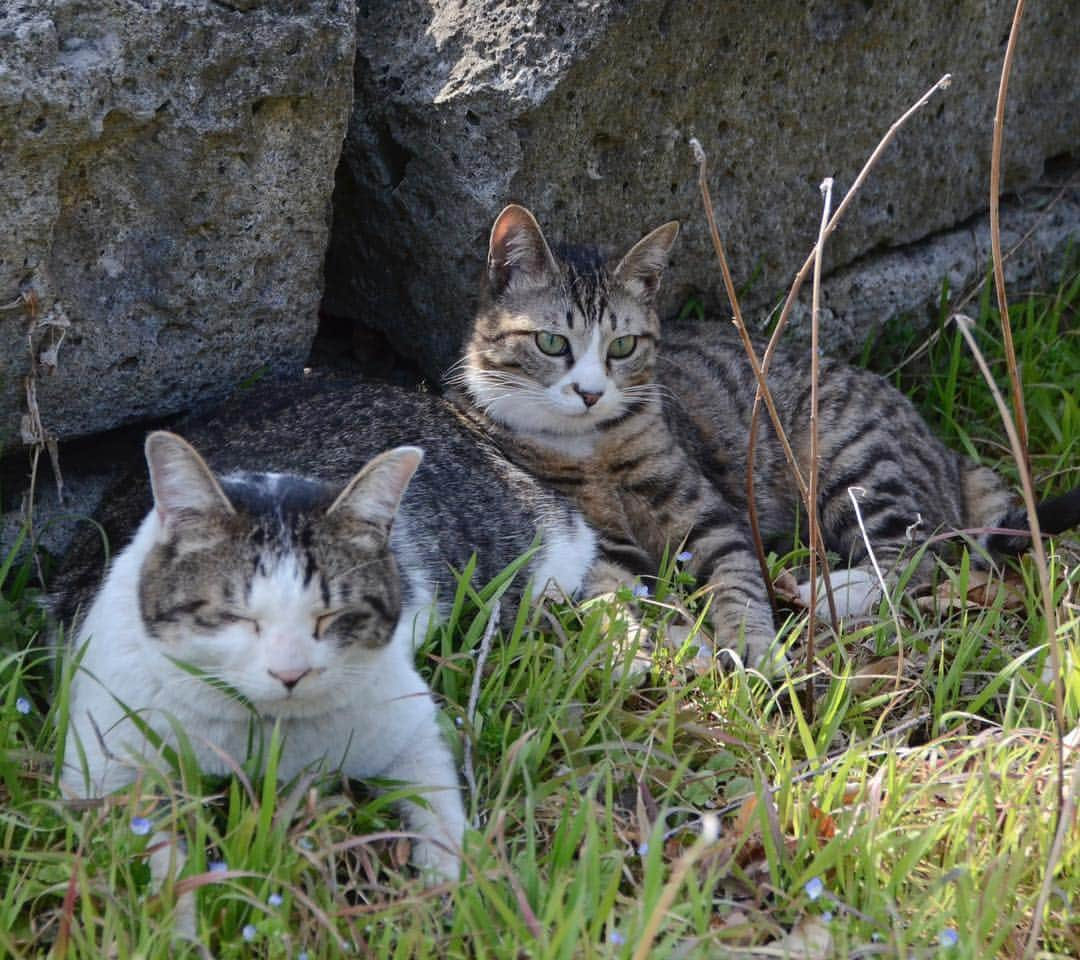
(565, 342)
(278, 586)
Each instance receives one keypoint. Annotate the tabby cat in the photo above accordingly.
(274, 597)
(565, 369)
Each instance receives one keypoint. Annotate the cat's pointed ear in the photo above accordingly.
(376, 491)
(641, 269)
(183, 484)
(518, 252)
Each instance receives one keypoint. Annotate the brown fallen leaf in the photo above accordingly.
(983, 590)
(872, 675)
(826, 825)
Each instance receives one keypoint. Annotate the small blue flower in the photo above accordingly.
(302, 955)
(459, 721)
(22, 705)
(249, 932)
(685, 557)
(948, 937)
(616, 938)
(814, 888)
(275, 900)
(140, 826)
(643, 848)
(640, 590)
(307, 843)
(826, 917)
(217, 866)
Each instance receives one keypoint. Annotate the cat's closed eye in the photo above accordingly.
(226, 617)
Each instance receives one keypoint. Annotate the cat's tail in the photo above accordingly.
(1056, 515)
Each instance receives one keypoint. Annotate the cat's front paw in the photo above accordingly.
(765, 655)
(435, 862)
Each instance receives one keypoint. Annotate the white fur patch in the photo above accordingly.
(856, 592)
(565, 558)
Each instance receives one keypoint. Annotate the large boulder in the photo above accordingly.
(166, 179)
(583, 111)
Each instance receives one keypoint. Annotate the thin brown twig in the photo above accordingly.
(718, 247)
(762, 392)
(808, 264)
(800, 278)
(1018, 438)
(995, 236)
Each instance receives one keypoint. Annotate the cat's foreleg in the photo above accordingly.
(166, 861)
(722, 555)
(437, 816)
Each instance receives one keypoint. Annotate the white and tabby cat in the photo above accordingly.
(300, 599)
(564, 368)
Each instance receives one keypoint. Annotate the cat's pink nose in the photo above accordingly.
(290, 678)
(588, 396)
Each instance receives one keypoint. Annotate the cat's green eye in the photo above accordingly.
(622, 347)
(553, 344)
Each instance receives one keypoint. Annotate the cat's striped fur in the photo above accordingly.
(653, 444)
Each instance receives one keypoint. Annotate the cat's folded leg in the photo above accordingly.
(856, 592)
(167, 858)
(437, 816)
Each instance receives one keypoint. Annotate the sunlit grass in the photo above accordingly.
(912, 817)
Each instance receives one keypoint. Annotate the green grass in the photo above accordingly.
(907, 814)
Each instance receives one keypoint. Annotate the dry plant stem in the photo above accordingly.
(811, 499)
(474, 699)
(995, 234)
(964, 325)
(755, 527)
(808, 265)
(1064, 824)
(762, 392)
(800, 277)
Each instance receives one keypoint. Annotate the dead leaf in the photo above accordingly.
(399, 853)
(744, 819)
(826, 825)
(873, 674)
(983, 590)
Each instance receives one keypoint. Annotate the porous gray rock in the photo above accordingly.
(944, 273)
(582, 111)
(167, 172)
